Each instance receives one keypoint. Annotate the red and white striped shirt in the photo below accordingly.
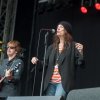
(56, 77)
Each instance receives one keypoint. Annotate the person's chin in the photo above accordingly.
(58, 34)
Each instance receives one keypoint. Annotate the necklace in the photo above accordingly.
(61, 47)
(57, 57)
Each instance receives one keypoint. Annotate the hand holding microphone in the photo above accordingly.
(34, 60)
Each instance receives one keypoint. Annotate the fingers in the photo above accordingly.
(79, 47)
(8, 72)
(34, 60)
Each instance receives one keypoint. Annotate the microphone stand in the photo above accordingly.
(34, 68)
(45, 43)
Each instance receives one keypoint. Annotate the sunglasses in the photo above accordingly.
(11, 47)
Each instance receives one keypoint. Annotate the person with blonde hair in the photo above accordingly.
(10, 70)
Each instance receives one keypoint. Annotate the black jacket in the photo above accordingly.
(11, 87)
(68, 61)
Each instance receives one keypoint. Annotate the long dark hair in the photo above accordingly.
(68, 38)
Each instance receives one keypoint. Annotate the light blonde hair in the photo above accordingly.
(16, 44)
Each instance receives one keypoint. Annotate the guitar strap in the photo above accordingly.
(11, 63)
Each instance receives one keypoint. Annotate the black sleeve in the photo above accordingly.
(79, 58)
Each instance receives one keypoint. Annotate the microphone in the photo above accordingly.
(51, 30)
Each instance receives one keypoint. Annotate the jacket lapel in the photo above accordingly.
(53, 56)
(64, 54)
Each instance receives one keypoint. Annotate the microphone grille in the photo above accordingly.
(53, 31)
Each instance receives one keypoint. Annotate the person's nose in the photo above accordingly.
(58, 28)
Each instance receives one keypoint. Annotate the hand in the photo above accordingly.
(34, 60)
(79, 47)
(8, 74)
